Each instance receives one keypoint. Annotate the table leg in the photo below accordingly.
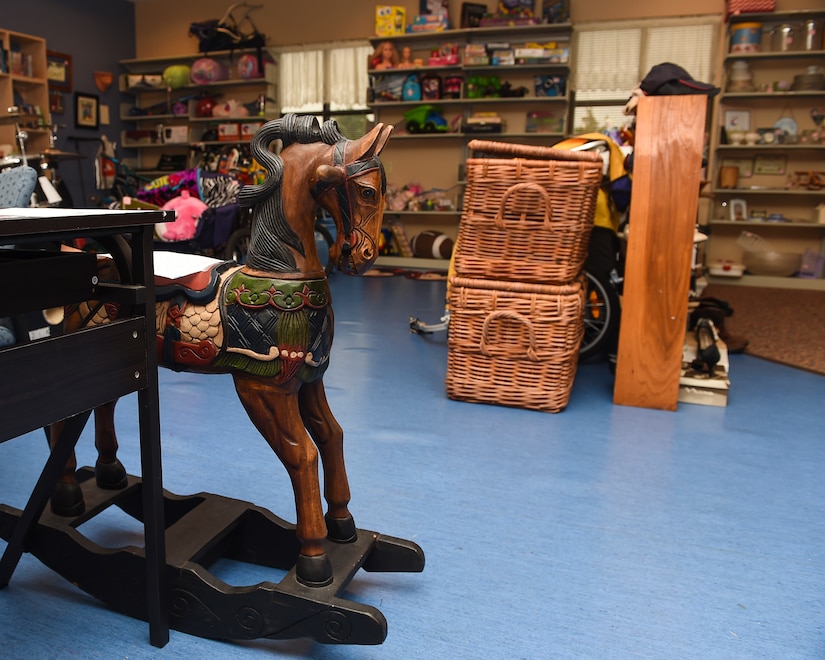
(42, 492)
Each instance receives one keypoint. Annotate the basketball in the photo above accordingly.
(432, 244)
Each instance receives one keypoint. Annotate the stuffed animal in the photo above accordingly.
(188, 211)
(231, 108)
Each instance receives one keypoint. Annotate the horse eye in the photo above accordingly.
(369, 193)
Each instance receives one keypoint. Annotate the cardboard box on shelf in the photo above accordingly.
(249, 128)
(228, 132)
(390, 20)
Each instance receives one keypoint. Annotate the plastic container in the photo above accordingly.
(746, 38)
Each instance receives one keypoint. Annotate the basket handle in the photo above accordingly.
(512, 190)
(531, 349)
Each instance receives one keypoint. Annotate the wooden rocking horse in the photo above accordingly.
(270, 324)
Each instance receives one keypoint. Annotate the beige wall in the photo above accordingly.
(162, 25)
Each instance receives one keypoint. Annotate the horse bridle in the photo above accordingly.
(352, 171)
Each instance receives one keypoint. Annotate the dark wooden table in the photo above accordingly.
(67, 376)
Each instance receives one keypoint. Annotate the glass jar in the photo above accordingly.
(782, 38)
(812, 34)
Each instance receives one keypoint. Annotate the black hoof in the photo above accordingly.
(314, 571)
(111, 476)
(67, 500)
(341, 530)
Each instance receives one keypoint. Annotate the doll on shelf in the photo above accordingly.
(385, 56)
(406, 58)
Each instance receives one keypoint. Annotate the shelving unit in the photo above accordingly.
(767, 170)
(435, 160)
(148, 138)
(23, 83)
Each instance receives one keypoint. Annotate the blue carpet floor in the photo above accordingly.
(599, 532)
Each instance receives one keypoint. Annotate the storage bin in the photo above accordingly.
(528, 213)
(514, 344)
(746, 38)
(750, 6)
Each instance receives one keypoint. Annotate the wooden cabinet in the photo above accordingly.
(24, 85)
(771, 133)
(166, 122)
(536, 110)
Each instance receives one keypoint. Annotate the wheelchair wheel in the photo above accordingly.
(601, 317)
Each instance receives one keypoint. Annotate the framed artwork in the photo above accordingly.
(770, 165)
(738, 210)
(86, 110)
(56, 103)
(737, 120)
(471, 14)
(59, 71)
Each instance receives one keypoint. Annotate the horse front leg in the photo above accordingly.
(109, 471)
(274, 412)
(328, 436)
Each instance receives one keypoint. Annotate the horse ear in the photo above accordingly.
(329, 174)
(372, 143)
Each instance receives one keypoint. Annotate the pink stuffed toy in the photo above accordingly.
(188, 211)
(231, 108)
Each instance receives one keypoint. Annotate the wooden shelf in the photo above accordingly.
(770, 282)
(764, 188)
(414, 263)
(435, 160)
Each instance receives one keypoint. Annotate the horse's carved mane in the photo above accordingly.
(272, 235)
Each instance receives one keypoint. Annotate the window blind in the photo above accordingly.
(612, 58)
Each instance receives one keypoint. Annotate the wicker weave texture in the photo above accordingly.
(514, 344)
(527, 220)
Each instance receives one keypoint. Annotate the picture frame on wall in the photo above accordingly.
(59, 71)
(87, 110)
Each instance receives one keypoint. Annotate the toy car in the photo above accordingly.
(426, 119)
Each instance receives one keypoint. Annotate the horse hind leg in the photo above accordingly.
(67, 499)
(274, 412)
(328, 436)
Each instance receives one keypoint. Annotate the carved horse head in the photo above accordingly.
(317, 165)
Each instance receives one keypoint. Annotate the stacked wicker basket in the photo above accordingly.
(516, 292)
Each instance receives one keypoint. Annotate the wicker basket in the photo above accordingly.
(528, 213)
(514, 344)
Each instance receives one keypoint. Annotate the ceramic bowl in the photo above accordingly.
(736, 137)
(777, 264)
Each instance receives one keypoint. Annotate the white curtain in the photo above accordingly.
(612, 58)
(302, 81)
(318, 74)
(347, 77)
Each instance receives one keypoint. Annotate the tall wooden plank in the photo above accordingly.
(666, 178)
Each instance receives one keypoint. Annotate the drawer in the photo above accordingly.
(36, 279)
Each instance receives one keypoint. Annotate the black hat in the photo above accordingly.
(671, 79)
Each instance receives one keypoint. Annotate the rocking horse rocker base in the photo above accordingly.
(200, 529)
